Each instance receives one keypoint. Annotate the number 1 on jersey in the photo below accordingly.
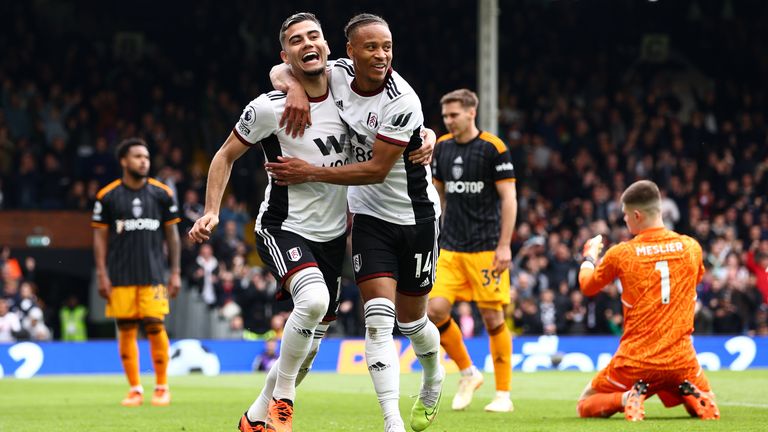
(663, 268)
(427, 264)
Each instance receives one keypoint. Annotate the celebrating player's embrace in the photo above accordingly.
(394, 234)
(301, 223)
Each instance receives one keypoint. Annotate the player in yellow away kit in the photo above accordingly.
(474, 175)
(131, 217)
(659, 270)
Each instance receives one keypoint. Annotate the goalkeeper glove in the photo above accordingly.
(592, 248)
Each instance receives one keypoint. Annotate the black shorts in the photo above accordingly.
(285, 253)
(406, 253)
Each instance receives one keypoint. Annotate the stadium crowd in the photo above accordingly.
(583, 118)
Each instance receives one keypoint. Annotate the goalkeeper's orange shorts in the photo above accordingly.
(662, 383)
(138, 301)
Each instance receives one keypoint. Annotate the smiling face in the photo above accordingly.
(305, 48)
(370, 48)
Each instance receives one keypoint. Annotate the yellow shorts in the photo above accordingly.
(469, 276)
(138, 301)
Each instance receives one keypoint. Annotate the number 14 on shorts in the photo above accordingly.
(422, 265)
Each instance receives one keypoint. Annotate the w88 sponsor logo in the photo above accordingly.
(361, 154)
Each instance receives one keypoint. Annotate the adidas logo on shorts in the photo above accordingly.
(425, 283)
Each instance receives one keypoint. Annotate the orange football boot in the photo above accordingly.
(698, 403)
(280, 415)
(634, 408)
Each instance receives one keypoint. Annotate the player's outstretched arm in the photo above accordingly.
(296, 115)
(508, 194)
(218, 176)
(294, 171)
(100, 236)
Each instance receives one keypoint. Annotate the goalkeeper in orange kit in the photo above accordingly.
(658, 270)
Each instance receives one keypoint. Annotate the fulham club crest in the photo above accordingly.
(373, 120)
(294, 254)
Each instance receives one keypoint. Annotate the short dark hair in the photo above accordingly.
(295, 19)
(126, 144)
(467, 98)
(361, 20)
(642, 194)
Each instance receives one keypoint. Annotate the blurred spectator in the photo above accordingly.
(229, 243)
(10, 326)
(256, 302)
(191, 210)
(234, 211)
(33, 324)
(264, 361)
(204, 275)
(757, 263)
(349, 321)
(72, 318)
(576, 315)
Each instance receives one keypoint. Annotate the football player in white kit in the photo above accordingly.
(396, 212)
(300, 229)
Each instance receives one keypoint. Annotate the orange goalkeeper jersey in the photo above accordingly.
(658, 270)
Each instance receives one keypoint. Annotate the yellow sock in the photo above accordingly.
(129, 353)
(158, 344)
(453, 343)
(501, 352)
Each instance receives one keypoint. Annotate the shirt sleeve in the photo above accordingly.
(341, 74)
(101, 217)
(402, 118)
(503, 169)
(592, 280)
(170, 209)
(258, 120)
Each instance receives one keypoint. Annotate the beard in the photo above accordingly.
(314, 72)
(136, 175)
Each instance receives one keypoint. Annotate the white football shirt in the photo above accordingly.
(392, 114)
(315, 211)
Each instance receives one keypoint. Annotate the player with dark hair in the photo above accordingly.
(395, 206)
(474, 175)
(301, 229)
(659, 270)
(131, 217)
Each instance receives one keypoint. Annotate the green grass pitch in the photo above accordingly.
(544, 401)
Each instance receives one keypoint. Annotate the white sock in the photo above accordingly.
(310, 303)
(306, 366)
(468, 371)
(139, 388)
(425, 340)
(381, 355)
(259, 407)
(502, 394)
